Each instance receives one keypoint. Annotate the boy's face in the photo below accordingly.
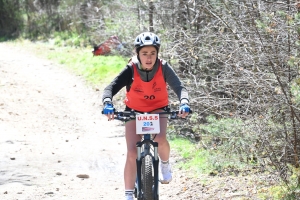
(148, 55)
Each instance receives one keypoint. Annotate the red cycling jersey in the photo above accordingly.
(147, 96)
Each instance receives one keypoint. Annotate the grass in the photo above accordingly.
(193, 158)
(95, 69)
(204, 161)
(208, 157)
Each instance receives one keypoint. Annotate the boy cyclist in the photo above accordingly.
(145, 78)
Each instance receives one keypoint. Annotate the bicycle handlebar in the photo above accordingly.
(129, 115)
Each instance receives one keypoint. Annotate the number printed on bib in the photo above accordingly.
(147, 124)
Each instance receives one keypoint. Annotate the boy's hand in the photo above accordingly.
(108, 110)
(184, 110)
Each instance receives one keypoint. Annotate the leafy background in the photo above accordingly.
(238, 58)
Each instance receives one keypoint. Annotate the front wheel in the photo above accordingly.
(147, 178)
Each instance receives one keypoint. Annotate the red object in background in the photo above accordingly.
(106, 47)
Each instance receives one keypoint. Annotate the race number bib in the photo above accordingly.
(147, 124)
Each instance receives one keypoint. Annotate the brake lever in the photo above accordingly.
(173, 116)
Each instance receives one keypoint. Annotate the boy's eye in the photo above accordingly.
(146, 54)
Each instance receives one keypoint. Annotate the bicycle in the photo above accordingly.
(147, 182)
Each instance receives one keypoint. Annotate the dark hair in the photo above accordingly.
(139, 49)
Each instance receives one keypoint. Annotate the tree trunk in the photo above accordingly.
(151, 11)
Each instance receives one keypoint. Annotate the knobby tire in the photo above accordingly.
(147, 178)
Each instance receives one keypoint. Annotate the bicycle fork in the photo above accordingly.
(155, 160)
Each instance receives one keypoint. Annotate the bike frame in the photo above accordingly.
(144, 149)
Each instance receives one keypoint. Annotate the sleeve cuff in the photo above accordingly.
(106, 100)
(182, 101)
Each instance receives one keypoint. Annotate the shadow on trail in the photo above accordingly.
(7, 177)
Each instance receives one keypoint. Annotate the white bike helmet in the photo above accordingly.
(146, 39)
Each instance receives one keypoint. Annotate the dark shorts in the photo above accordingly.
(166, 108)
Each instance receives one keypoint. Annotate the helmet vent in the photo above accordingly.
(147, 39)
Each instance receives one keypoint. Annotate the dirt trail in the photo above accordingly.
(51, 130)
